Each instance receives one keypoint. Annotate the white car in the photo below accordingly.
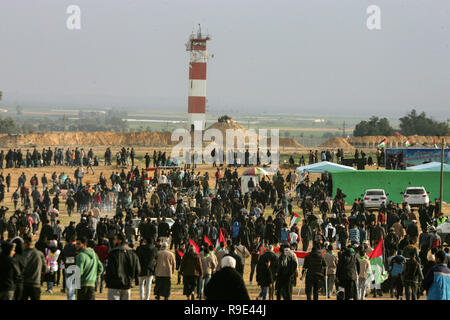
(373, 198)
(415, 196)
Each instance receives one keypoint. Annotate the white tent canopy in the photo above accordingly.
(323, 166)
(431, 166)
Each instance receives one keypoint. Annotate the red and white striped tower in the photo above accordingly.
(197, 80)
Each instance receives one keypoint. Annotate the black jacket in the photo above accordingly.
(147, 259)
(226, 284)
(348, 267)
(9, 273)
(268, 255)
(264, 276)
(122, 268)
(315, 264)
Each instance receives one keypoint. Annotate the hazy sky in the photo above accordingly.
(312, 57)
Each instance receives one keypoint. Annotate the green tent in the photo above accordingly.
(354, 183)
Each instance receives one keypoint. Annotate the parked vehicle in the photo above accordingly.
(373, 198)
(415, 196)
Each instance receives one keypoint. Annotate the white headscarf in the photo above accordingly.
(228, 261)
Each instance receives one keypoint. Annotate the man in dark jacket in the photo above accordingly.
(35, 266)
(9, 271)
(147, 260)
(122, 268)
(347, 273)
(269, 255)
(227, 283)
(287, 269)
(314, 266)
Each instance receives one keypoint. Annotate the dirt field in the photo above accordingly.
(176, 289)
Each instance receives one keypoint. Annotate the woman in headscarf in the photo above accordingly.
(227, 283)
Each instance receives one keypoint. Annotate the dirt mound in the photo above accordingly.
(87, 138)
(228, 124)
(289, 143)
(337, 142)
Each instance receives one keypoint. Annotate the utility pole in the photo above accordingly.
(442, 177)
(343, 130)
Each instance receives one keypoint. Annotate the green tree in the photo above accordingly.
(8, 125)
(419, 124)
(374, 127)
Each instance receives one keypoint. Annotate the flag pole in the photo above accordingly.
(442, 177)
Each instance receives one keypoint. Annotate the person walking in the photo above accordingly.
(396, 268)
(412, 276)
(331, 261)
(165, 269)
(347, 272)
(147, 259)
(122, 268)
(35, 267)
(285, 276)
(191, 269)
(264, 278)
(363, 273)
(9, 271)
(437, 280)
(314, 266)
(90, 268)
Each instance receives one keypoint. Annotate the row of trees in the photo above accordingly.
(42, 125)
(411, 124)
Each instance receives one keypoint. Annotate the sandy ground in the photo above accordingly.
(176, 289)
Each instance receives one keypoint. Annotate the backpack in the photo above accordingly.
(397, 266)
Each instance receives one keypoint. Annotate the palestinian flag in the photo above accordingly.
(382, 144)
(192, 243)
(377, 272)
(181, 254)
(206, 240)
(220, 240)
(408, 142)
(301, 257)
(295, 219)
(435, 145)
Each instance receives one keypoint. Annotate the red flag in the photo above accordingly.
(192, 243)
(222, 238)
(206, 240)
(262, 250)
(181, 254)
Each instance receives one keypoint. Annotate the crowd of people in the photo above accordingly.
(144, 227)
